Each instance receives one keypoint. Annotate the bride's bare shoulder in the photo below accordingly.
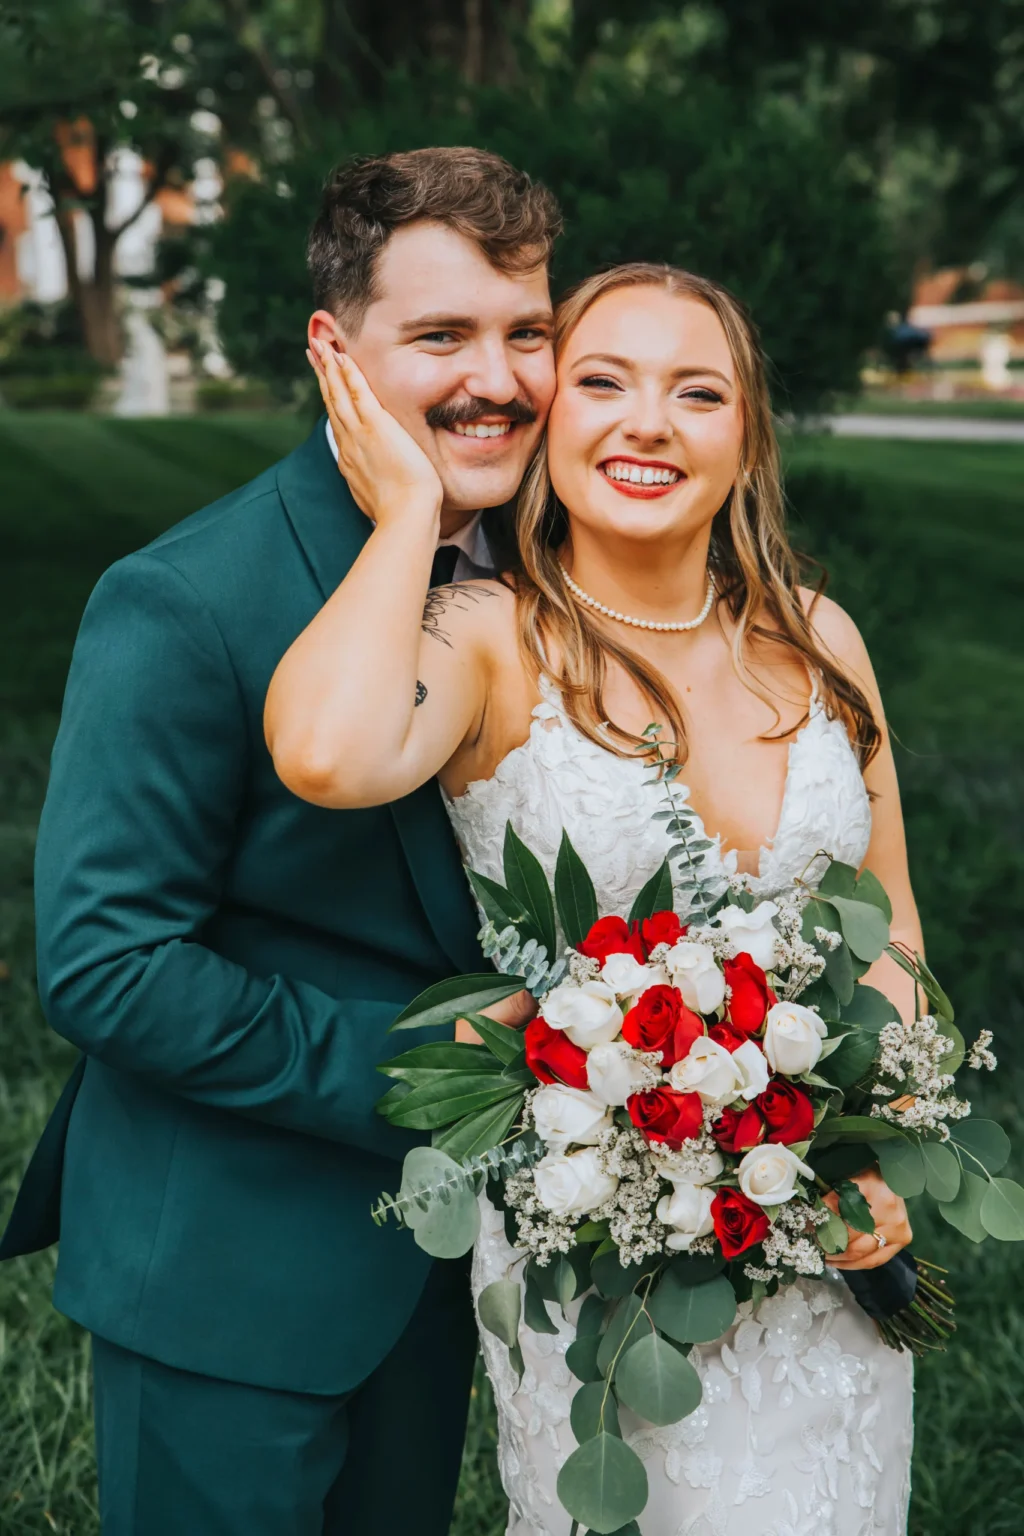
(836, 632)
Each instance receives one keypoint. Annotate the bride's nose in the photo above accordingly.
(647, 422)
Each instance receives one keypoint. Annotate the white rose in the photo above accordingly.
(627, 977)
(752, 933)
(752, 1066)
(687, 1210)
(589, 1014)
(707, 1069)
(792, 1038)
(695, 972)
(767, 1175)
(574, 1185)
(685, 1166)
(564, 1115)
(614, 1073)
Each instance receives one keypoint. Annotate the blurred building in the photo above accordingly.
(974, 322)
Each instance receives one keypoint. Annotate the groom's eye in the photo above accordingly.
(439, 338)
(528, 333)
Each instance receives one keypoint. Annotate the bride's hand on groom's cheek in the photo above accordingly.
(516, 1011)
(891, 1222)
(387, 472)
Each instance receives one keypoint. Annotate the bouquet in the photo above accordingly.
(669, 1136)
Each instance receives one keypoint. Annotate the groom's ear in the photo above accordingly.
(323, 327)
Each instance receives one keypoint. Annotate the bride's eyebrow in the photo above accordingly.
(624, 362)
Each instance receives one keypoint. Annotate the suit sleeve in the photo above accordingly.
(138, 827)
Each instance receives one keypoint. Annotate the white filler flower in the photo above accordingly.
(686, 1166)
(589, 1014)
(574, 1185)
(751, 933)
(792, 1038)
(627, 977)
(695, 972)
(566, 1115)
(768, 1175)
(687, 1210)
(614, 1073)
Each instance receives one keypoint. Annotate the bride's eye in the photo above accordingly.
(598, 381)
(702, 395)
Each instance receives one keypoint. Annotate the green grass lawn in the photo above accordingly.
(926, 547)
(992, 407)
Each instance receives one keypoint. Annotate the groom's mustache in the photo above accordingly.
(451, 413)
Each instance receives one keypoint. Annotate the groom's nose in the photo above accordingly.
(490, 375)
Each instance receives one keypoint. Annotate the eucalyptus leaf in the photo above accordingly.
(954, 1059)
(566, 1282)
(856, 1128)
(964, 1212)
(614, 1279)
(535, 1312)
(1002, 1211)
(594, 1411)
(574, 893)
(864, 928)
(603, 1484)
(591, 1316)
(982, 1139)
(445, 1230)
(450, 999)
(943, 1170)
(838, 880)
(655, 896)
(902, 1166)
(581, 1357)
(839, 972)
(627, 1323)
(499, 1307)
(693, 1314)
(480, 1130)
(655, 1381)
(851, 1060)
(516, 1361)
(528, 884)
(870, 888)
(869, 1008)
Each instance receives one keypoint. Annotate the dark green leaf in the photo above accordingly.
(693, 1314)
(565, 1282)
(839, 1160)
(528, 884)
(839, 972)
(864, 928)
(498, 1306)
(481, 1130)
(449, 1000)
(942, 1168)
(627, 1322)
(603, 1484)
(853, 1207)
(902, 1166)
(693, 1268)
(591, 1316)
(594, 1411)
(869, 1008)
(574, 893)
(440, 1103)
(655, 896)
(655, 1381)
(832, 1235)
(516, 1361)
(535, 1311)
(440, 1056)
(581, 1357)
(964, 1212)
(821, 996)
(870, 888)
(592, 1232)
(855, 1128)
(502, 908)
(851, 1059)
(611, 1278)
(500, 1040)
(838, 880)
(953, 1060)
(983, 1139)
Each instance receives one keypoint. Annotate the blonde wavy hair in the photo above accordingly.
(756, 571)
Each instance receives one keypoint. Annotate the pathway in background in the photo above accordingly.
(961, 429)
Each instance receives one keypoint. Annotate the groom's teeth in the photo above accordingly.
(482, 428)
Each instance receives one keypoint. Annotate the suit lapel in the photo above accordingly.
(331, 531)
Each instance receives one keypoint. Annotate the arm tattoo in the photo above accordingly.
(440, 599)
(421, 693)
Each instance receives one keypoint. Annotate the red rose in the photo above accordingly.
(738, 1130)
(661, 928)
(666, 1116)
(611, 936)
(788, 1112)
(661, 1021)
(751, 995)
(727, 1037)
(552, 1057)
(739, 1223)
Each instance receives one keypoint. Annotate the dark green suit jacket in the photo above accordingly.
(229, 960)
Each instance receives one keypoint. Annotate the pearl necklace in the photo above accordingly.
(624, 618)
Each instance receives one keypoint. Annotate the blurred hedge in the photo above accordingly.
(756, 191)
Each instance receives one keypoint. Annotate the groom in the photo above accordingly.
(228, 959)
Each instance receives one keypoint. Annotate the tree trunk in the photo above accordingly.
(94, 297)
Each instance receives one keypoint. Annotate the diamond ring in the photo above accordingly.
(879, 1239)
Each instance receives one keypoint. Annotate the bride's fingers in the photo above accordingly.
(335, 391)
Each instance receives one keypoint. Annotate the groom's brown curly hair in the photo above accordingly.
(514, 221)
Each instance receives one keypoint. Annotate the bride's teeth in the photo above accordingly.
(638, 476)
(647, 478)
(635, 476)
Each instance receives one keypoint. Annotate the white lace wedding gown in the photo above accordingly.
(805, 1428)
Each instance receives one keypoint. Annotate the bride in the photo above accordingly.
(656, 584)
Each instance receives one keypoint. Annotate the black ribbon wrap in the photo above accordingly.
(887, 1290)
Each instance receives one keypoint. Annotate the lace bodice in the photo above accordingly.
(560, 779)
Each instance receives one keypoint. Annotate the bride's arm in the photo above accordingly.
(377, 693)
(887, 852)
